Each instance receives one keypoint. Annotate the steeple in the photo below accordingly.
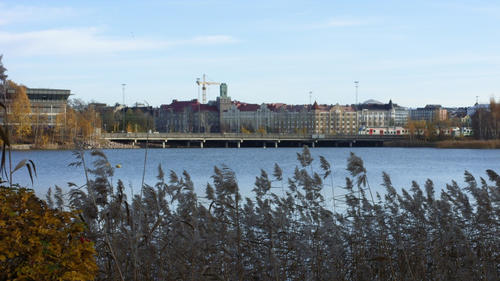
(315, 106)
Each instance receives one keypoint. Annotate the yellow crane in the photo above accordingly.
(204, 85)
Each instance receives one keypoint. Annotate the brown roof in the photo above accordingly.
(247, 107)
(193, 105)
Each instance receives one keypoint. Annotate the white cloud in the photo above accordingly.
(20, 13)
(90, 40)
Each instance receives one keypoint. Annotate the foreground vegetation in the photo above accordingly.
(287, 231)
(37, 241)
(40, 243)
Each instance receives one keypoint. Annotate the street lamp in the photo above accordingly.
(356, 84)
(123, 109)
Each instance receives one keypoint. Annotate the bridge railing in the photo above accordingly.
(242, 136)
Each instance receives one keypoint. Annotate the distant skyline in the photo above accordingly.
(415, 53)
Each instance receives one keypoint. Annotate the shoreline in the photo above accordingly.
(107, 145)
(448, 144)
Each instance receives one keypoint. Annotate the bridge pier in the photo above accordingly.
(350, 144)
(201, 144)
(188, 144)
(239, 144)
(264, 145)
(313, 145)
(226, 144)
(164, 144)
(275, 144)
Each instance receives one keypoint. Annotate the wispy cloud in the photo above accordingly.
(91, 40)
(12, 14)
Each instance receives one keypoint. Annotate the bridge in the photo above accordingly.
(247, 140)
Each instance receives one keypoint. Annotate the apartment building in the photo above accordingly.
(430, 113)
(375, 114)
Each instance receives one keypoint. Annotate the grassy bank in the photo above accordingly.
(480, 144)
(463, 143)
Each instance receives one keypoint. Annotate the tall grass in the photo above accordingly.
(290, 234)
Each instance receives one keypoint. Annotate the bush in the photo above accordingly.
(39, 243)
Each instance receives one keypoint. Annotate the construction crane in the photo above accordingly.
(204, 85)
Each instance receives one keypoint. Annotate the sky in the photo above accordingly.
(413, 52)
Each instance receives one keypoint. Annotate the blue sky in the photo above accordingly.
(413, 52)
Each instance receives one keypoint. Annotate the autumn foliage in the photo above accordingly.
(20, 111)
(39, 243)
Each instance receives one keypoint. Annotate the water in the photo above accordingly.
(402, 164)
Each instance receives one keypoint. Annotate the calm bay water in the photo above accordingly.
(402, 164)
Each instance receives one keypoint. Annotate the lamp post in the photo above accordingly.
(123, 109)
(356, 84)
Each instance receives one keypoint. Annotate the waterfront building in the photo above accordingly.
(228, 116)
(343, 120)
(45, 104)
(290, 119)
(293, 119)
(472, 109)
(244, 117)
(429, 113)
(187, 117)
(373, 113)
(456, 112)
(320, 118)
(223, 104)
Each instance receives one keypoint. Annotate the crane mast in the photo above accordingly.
(204, 83)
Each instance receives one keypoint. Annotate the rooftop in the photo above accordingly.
(44, 94)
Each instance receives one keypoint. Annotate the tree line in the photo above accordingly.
(287, 230)
(30, 125)
(80, 121)
(126, 119)
(486, 121)
(77, 121)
